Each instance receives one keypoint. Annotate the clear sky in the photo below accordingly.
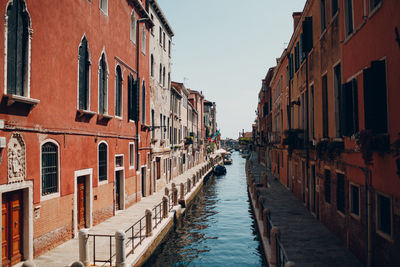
(224, 48)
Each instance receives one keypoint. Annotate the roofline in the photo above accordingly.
(162, 17)
(142, 12)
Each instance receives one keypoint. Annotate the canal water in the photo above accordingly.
(218, 229)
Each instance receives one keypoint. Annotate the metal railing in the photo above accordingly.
(136, 231)
(269, 227)
(157, 214)
(281, 257)
(170, 201)
(102, 251)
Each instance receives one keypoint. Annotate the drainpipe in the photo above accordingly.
(369, 216)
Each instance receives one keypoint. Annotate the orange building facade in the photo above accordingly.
(74, 117)
(334, 114)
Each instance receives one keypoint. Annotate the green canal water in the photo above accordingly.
(218, 228)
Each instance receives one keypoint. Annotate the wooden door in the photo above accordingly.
(12, 228)
(81, 202)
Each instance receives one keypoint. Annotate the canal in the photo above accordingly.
(218, 229)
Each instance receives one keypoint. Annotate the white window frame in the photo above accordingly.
(103, 9)
(122, 93)
(98, 85)
(132, 167)
(56, 194)
(144, 40)
(380, 232)
(351, 201)
(108, 165)
(27, 87)
(133, 27)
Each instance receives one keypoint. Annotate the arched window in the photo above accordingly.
(152, 65)
(103, 75)
(163, 78)
(144, 40)
(104, 6)
(49, 168)
(133, 98)
(143, 103)
(84, 65)
(160, 73)
(169, 79)
(18, 23)
(103, 168)
(118, 92)
(133, 27)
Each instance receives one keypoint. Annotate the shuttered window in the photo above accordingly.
(375, 97)
(118, 92)
(143, 103)
(84, 65)
(49, 169)
(102, 162)
(17, 48)
(103, 85)
(349, 109)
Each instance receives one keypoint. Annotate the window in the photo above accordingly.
(163, 77)
(161, 126)
(301, 47)
(384, 214)
(133, 98)
(152, 65)
(103, 155)
(312, 111)
(143, 103)
(160, 37)
(355, 200)
(296, 57)
(348, 16)
(104, 6)
(103, 75)
(169, 48)
(327, 186)
(307, 35)
(323, 15)
(337, 83)
(84, 77)
(164, 41)
(160, 73)
(18, 49)
(49, 168)
(118, 92)
(152, 124)
(144, 40)
(375, 97)
(349, 108)
(334, 7)
(152, 28)
(325, 109)
(169, 79)
(131, 155)
(373, 4)
(291, 72)
(340, 195)
(133, 27)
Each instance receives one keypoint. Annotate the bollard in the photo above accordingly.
(189, 185)
(120, 256)
(84, 247)
(31, 264)
(74, 264)
(149, 228)
(165, 206)
(266, 213)
(166, 191)
(175, 196)
(274, 233)
(290, 264)
(182, 192)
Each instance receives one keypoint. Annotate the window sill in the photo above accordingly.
(118, 118)
(83, 112)
(49, 196)
(105, 117)
(355, 216)
(384, 235)
(11, 99)
(102, 182)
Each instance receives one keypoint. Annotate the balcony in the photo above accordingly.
(274, 137)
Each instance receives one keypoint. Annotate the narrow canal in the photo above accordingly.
(218, 228)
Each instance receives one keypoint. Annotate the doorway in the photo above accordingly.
(81, 201)
(12, 228)
(118, 190)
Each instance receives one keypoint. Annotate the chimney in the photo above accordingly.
(296, 18)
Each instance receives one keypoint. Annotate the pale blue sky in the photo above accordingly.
(225, 47)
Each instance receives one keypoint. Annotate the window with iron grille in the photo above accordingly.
(84, 65)
(17, 48)
(102, 162)
(49, 169)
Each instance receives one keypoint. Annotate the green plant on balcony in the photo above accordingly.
(294, 139)
(188, 140)
(329, 150)
(370, 142)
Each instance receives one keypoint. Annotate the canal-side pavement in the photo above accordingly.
(68, 252)
(307, 241)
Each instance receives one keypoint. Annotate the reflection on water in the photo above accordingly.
(218, 228)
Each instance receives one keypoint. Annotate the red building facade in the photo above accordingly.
(74, 118)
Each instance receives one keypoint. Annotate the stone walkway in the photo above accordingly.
(306, 240)
(68, 252)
